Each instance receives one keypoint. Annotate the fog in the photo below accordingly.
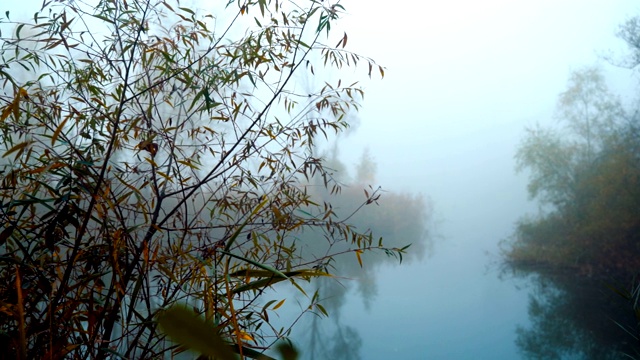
(463, 79)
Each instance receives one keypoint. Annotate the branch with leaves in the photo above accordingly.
(155, 155)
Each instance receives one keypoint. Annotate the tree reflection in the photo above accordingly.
(331, 340)
(575, 318)
(400, 219)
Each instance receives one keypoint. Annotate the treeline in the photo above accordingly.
(586, 174)
(581, 251)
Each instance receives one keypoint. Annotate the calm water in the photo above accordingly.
(451, 305)
(458, 305)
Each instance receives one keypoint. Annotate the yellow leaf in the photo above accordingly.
(8, 110)
(358, 252)
(245, 336)
(279, 304)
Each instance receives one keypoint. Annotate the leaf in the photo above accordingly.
(8, 110)
(18, 30)
(322, 310)
(190, 330)
(248, 352)
(287, 351)
(58, 130)
(262, 266)
(187, 10)
(245, 336)
(279, 304)
(235, 235)
(4, 235)
(358, 252)
(294, 273)
(343, 41)
(149, 146)
(104, 18)
(167, 5)
(14, 106)
(257, 285)
(18, 147)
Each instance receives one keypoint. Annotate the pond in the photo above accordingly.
(460, 304)
(452, 305)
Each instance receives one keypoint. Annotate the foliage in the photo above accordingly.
(588, 176)
(156, 155)
(585, 172)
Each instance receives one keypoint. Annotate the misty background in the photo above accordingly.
(463, 80)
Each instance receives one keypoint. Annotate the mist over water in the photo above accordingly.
(461, 86)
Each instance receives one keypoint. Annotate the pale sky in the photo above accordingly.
(463, 74)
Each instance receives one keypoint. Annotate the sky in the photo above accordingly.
(463, 79)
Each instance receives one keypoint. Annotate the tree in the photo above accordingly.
(154, 154)
(587, 174)
(590, 115)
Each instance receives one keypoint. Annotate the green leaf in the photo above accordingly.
(257, 285)
(4, 235)
(235, 235)
(104, 18)
(18, 30)
(287, 351)
(263, 4)
(263, 273)
(262, 266)
(187, 10)
(190, 330)
(247, 352)
(322, 310)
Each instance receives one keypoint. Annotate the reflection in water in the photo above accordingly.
(329, 338)
(575, 318)
(400, 219)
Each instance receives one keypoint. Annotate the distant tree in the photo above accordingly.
(587, 173)
(366, 169)
(589, 117)
(153, 155)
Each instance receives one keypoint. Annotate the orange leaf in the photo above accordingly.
(58, 130)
